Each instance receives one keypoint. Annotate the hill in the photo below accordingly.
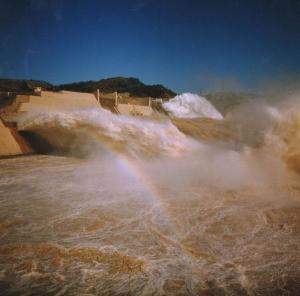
(21, 85)
(133, 86)
(120, 84)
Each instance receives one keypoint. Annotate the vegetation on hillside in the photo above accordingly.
(121, 84)
(20, 85)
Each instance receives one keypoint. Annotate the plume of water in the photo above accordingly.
(190, 105)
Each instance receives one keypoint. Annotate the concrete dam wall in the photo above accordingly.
(59, 101)
(14, 142)
(11, 143)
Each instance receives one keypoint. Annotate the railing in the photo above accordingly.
(116, 99)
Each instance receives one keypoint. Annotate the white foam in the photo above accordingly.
(190, 105)
(136, 135)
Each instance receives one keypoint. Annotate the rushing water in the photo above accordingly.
(192, 218)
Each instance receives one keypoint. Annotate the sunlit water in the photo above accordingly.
(207, 220)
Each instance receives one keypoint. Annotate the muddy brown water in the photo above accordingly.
(149, 211)
(79, 227)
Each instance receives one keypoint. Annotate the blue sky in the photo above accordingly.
(185, 45)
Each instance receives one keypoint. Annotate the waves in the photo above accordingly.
(190, 105)
(86, 131)
(256, 126)
(286, 136)
(222, 206)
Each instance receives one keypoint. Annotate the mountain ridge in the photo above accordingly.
(132, 85)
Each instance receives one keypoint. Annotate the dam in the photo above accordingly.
(11, 143)
(66, 100)
(47, 101)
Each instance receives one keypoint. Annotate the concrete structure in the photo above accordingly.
(48, 101)
(98, 95)
(134, 110)
(122, 103)
(38, 91)
(64, 100)
(11, 143)
(119, 103)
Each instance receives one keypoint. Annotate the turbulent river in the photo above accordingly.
(143, 209)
